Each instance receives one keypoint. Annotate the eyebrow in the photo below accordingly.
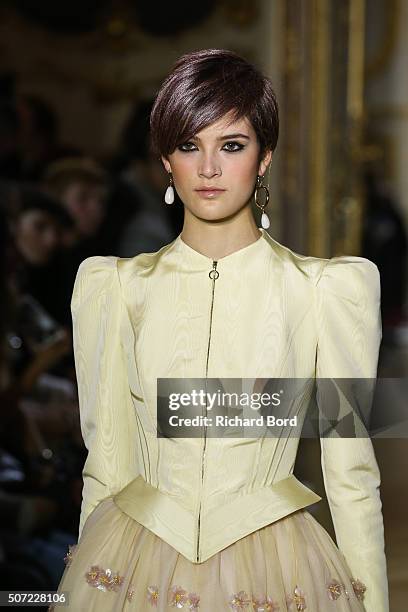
(227, 137)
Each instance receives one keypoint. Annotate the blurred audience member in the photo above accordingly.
(39, 136)
(38, 225)
(385, 243)
(154, 224)
(39, 489)
(82, 187)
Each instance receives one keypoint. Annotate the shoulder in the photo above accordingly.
(350, 276)
(96, 270)
(143, 264)
(99, 273)
(306, 267)
(96, 264)
(94, 275)
(347, 269)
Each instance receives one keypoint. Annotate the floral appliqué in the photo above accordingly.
(334, 590)
(153, 594)
(180, 598)
(299, 599)
(264, 604)
(107, 580)
(239, 601)
(359, 589)
(130, 593)
(104, 580)
(193, 601)
(70, 553)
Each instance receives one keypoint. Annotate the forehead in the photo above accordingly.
(226, 125)
(81, 183)
(37, 215)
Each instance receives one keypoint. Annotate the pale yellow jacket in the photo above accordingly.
(270, 313)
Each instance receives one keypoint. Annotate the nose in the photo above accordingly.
(209, 167)
(50, 239)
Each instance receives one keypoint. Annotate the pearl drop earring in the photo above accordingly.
(169, 195)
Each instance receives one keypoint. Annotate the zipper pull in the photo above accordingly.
(214, 274)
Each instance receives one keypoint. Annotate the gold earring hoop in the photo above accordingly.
(265, 223)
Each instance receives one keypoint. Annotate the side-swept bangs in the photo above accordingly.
(203, 87)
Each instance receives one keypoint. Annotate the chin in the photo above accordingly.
(218, 216)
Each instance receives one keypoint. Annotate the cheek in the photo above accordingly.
(34, 239)
(26, 233)
(241, 173)
(184, 171)
(71, 206)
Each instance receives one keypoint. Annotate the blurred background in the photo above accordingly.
(77, 80)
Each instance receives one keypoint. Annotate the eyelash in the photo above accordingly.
(238, 144)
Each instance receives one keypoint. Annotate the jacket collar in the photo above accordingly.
(252, 250)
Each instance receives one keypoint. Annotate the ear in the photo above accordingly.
(166, 164)
(264, 163)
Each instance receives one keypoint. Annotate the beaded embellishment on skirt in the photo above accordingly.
(288, 566)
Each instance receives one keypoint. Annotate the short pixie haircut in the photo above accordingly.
(202, 87)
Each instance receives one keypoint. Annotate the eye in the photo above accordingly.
(183, 146)
(186, 147)
(234, 144)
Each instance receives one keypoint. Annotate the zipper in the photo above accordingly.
(213, 274)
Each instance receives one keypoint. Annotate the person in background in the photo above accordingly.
(37, 225)
(385, 242)
(152, 224)
(31, 509)
(81, 186)
(39, 137)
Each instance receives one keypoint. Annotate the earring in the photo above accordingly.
(265, 223)
(169, 195)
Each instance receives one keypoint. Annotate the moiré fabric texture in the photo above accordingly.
(270, 313)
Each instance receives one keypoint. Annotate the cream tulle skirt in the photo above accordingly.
(289, 565)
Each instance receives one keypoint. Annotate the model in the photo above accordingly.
(220, 523)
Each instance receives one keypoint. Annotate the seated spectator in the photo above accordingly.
(38, 225)
(39, 488)
(82, 188)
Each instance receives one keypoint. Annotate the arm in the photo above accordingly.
(349, 337)
(105, 405)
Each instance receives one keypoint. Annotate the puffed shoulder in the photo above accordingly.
(348, 318)
(353, 278)
(93, 275)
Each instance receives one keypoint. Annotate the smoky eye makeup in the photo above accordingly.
(237, 146)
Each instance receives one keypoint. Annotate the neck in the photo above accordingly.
(219, 239)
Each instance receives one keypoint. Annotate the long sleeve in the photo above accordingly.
(106, 412)
(349, 336)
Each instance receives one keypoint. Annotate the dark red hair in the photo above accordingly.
(201, 88)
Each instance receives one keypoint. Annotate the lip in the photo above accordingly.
(210, 189)
(209, 193)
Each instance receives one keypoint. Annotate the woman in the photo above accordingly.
(207, 523)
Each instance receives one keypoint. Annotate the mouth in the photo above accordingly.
(209, 192)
